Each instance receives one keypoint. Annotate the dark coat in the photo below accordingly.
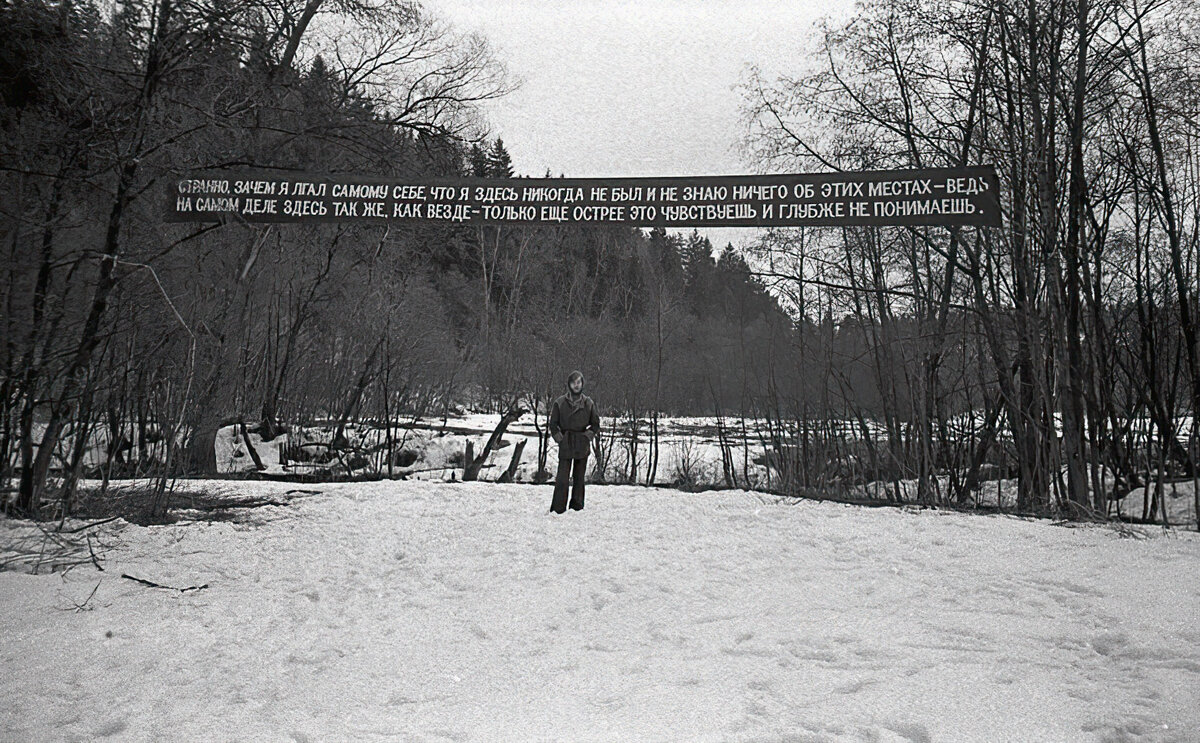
(571, 419)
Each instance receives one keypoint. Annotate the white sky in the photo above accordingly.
(614, 88)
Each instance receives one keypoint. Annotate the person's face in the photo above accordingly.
(576, 386)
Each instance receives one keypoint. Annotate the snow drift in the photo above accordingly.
(421, 611)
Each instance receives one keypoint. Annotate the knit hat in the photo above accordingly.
(573, 376)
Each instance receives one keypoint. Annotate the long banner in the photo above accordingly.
(935, 196)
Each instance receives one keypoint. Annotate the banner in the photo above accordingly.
(936, 196)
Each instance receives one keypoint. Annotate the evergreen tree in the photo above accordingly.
(477, 162)
(664, 250)
(699, 274)
(499, 164)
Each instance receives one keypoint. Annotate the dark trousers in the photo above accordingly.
(565, 475)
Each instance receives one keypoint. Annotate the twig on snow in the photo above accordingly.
(88, 526)
(84, 606)
(95, 560)
(152, 584)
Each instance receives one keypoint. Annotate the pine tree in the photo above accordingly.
(477, 162)
(742, 296)
(498, 161)
(699, 274)
(664, 248)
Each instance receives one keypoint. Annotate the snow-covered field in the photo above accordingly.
(419, 611)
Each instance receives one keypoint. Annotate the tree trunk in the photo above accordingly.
(1072, 378)
(33, 478)
(258, 463)
(471, 467)
(201, 450)
(511, 472)
(339, 439)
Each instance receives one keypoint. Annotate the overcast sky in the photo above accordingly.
(617, 88)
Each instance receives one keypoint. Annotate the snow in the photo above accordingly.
(231, 454)
(424, 611)
(1180, 498)
(685, 444)
(689, 452)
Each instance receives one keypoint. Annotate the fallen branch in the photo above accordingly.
(1125, 531)
(30, 546)
(84, 606)
(88, 526)
(152, 584)
(95, 561)
(240, 504)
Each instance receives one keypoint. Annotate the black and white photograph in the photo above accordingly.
(666, 371)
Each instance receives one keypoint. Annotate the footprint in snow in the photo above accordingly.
(109, 729)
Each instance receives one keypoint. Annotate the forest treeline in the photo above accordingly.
(148, 336)
(1060, 350)
(1071, 332)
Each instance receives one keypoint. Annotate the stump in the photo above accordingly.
(511, 472)
(474, 464)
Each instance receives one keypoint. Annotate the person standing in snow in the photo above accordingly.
(574, 424)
